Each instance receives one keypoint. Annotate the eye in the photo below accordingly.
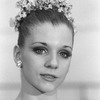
(65, 54)
(40, 50)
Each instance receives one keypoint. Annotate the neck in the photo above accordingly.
(29, 92)
(24, 96)
(27, 95)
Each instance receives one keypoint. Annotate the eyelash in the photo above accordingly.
(41, 51)
(65, 54)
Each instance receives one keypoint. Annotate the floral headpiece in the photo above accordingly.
(26, 6)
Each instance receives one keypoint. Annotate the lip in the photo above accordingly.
(48, 77)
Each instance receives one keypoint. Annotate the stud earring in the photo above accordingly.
(19, 63)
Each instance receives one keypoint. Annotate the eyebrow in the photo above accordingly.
(67, 47)
(40, 43)
(45, 44)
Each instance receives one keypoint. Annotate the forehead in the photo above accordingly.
(59, 34)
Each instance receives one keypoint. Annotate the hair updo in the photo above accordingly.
(41, 16)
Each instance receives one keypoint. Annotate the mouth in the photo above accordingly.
(48, 77)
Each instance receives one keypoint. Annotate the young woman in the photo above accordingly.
(44, 50)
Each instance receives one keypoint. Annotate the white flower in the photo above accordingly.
(50, 6)
(24, 14)
(18, 17)
(12, 22)
(27, 5)
(60, 9)
(61, 0)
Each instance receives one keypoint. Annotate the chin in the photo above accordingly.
(49, 87)
(46, 87)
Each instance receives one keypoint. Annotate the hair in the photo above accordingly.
(41, 16)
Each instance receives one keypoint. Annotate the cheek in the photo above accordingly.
(32, 66)
(64, 67)
(31, 61)
(63, 70)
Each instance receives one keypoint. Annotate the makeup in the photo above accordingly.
(49, 77)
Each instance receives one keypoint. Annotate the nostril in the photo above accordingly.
(50, 66)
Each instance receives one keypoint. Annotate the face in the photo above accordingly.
(46, 56)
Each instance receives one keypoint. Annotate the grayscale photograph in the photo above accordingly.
(50, 50)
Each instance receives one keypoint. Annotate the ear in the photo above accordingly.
(17, 53)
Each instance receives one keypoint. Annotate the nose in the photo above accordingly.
(51, 62)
